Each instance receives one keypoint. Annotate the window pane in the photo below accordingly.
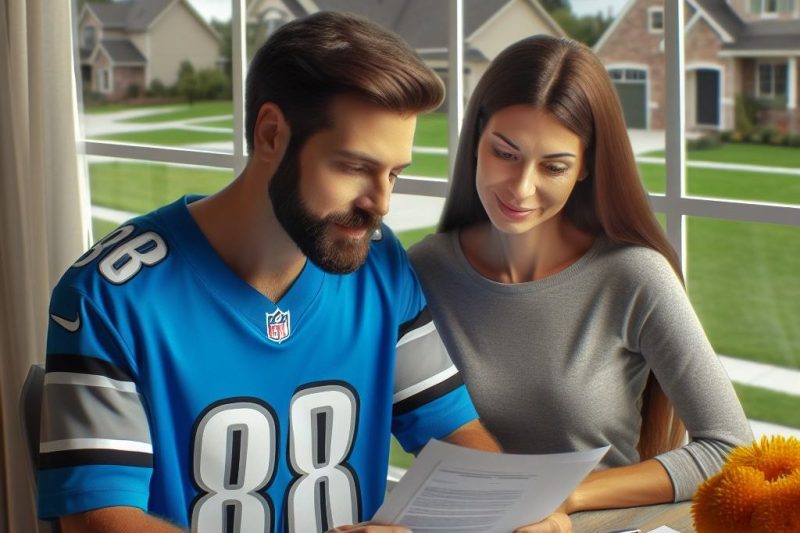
(167, 85)
(780, 79)
(121, 189)
(765, 79)
(657, 20)
(743, 282)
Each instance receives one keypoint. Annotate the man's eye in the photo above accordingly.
(352, 169)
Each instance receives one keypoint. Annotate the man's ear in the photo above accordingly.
(271, 135)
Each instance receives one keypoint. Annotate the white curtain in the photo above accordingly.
(44, 210)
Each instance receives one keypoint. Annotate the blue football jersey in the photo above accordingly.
(174, 386)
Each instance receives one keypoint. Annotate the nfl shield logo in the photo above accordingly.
(278, 326)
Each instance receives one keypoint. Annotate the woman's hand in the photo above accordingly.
(555, 523)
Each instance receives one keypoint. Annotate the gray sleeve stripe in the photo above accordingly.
(416, 333)
(95, 444)
(425, 384)
(421, 356)
(89, 380)
(71, 411)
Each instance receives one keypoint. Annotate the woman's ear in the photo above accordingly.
(271, 134)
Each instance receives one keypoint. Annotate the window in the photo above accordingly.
(88, 38)
(772, 80)
(719, 210)
(771, 8)
(655, 20)
(104, 80)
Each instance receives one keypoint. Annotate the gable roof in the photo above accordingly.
(132, 15)
(738, 37)
(122, 51)
(421, 22)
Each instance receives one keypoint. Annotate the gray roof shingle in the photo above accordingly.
(760, 35)
(132, 15)
(123, 51)
(422, 23)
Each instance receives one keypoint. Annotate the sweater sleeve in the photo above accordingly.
(673, 342)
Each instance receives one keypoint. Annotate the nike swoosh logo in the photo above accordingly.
(69, 325)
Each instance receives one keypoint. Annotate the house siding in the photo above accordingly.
(125, 77)
(512, 23)
(617, 49)
(177, 36)
(702, 47)
(742, 8)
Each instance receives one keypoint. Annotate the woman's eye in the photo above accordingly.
(556, 170)
(507, 156)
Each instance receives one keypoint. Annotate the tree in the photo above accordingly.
(187, 85)
(586, 29)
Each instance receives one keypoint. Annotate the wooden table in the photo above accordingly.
(675, 515)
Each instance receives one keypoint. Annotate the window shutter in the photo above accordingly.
(755, 6)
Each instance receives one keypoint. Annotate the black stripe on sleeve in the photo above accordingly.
(81, 364)
(428, 395)
(71, 458)
(417, 322)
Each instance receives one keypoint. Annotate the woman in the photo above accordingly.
(558, 294)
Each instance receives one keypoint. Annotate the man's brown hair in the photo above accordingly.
(310, 60)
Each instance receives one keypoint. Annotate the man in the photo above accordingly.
(228, 363)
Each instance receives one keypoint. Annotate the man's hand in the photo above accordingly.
(555, 523)
(367, 527)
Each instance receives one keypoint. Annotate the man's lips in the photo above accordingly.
(354, 232)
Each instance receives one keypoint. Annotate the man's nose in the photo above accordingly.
(375, 198)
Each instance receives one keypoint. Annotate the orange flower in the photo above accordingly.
(781, 512)
(757, 490)
(776, 457)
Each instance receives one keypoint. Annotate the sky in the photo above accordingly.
(221, 9)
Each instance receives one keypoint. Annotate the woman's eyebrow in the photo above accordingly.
(506, 140)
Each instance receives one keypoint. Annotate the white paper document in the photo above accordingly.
(453, 489)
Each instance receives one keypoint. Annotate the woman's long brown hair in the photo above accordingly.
(566, 79)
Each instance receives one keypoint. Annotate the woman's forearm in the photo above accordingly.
(643, 483)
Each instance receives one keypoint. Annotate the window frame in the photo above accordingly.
(674, 203)
(651, 11)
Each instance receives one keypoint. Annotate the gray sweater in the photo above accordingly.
(559, 364)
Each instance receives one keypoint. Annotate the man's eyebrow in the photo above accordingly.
(366, 158)
(548, 156)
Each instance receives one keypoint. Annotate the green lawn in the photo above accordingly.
(431, 130)
(429, 165)
(768, 406)
(168, 137)
(186, 111)
(746, 154)
(138, 187)
(224, 123)
(728, 184)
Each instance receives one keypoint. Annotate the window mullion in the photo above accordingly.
(455, 75)
(238, 56)
(675, 126)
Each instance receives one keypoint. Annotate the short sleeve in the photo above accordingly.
(95, 445)
(430, 398)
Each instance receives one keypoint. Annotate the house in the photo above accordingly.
(746, 48)
(125, 46)
(489, 25)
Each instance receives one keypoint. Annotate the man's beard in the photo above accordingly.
(311, 233)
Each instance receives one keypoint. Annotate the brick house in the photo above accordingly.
(489, 25)
(732, 47)
(124, 46)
